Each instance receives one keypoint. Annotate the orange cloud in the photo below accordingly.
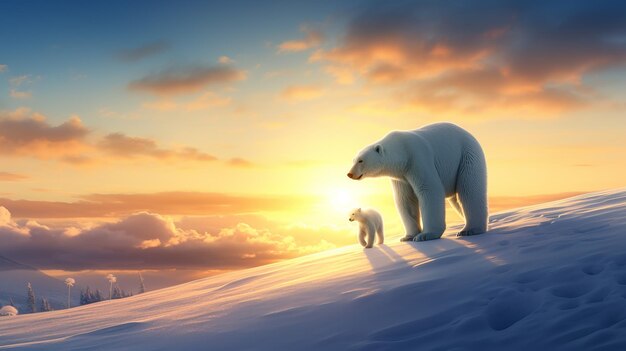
(11, 177)
(240, 162)
(443, 59)
(28, 134)
(207, 100)
(312, 39)
(120, 145)
(302, 92)
(484, 90)
(168, 203)
(183, 80)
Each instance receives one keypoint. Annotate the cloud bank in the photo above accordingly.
(147, 241)
(460, 56)
(167, 203)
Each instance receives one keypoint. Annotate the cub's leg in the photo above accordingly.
(371, 233)
(381, 235)
(362, 233)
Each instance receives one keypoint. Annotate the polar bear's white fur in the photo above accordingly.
(427, 165)
(370, 224)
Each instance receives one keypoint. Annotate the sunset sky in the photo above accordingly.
(217, 135)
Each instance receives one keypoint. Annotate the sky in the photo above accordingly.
(214, 136)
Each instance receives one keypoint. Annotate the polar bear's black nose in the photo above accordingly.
(349, 175)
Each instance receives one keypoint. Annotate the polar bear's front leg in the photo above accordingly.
(431, 197)
(408, 208)
(362, 233)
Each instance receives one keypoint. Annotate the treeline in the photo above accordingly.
(88, 296)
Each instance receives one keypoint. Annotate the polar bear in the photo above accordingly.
(427, 165)
(370, 224)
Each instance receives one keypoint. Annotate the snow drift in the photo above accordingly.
(551, 276)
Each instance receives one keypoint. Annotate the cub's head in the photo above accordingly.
(355, 215)
(368, 163)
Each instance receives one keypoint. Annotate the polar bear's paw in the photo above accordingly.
(407, 238)
(469, 232)
(426, 236)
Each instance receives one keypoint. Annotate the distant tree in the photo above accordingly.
(31, 299)
(70, 283)
(45, 305)
(87, 296)
(117, 292)
(98, 296)
(83, 296)
(112, 279)
(142, 287)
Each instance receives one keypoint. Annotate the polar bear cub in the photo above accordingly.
(370, 225)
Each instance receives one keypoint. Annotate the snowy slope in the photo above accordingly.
(551, 276)
(14, 277)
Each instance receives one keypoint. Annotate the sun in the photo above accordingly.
(343, 199)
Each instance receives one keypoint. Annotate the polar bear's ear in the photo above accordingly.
(359, 209)
(379, 149)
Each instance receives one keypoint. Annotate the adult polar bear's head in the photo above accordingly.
(383, 158)
(368, 163)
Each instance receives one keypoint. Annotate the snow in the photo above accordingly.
(551, 276)
(13, 287)
(8, 311)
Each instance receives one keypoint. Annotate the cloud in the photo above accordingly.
(23, 133)
(167, 203)
(11, 177)
(225, 60)
(123, 146)
(181, 80)
(19, 80)
(162, 105)
(312, 39)
(16, 94)
(141, 52)
(207, 100)
(459, 57)
(28, 134)
(3, 68)
(204, 101)
(147, 241)
(240, 162)
(302, 92)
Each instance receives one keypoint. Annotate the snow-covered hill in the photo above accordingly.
(546, 277)
(14, 278)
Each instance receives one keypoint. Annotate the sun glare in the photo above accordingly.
(342, 199)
